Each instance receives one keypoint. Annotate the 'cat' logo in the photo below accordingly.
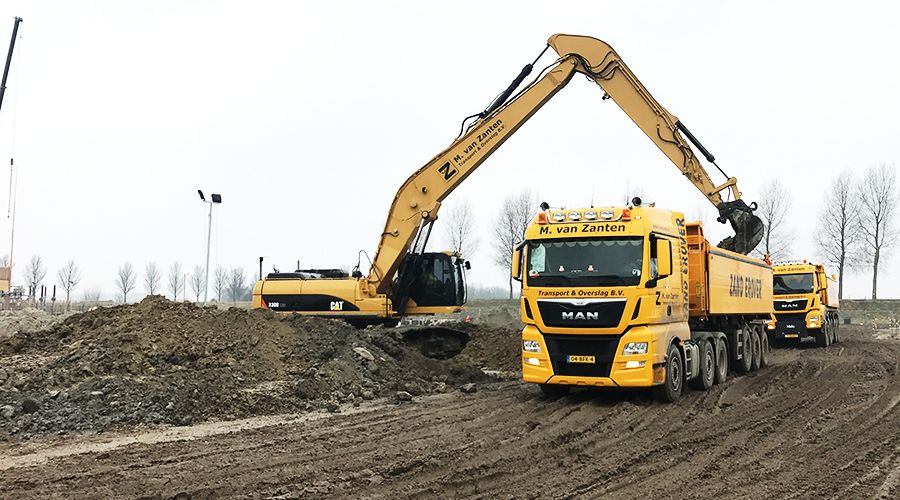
(337, 305)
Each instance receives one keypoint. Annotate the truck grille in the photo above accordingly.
(602, 347)
(790, 305)
(790, 324)
(585, 313)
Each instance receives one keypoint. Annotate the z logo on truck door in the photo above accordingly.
(447, 170)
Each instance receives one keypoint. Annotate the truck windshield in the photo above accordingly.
(793, 283)
(585, 262)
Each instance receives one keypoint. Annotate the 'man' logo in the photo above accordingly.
(447, 170)
(580, 315)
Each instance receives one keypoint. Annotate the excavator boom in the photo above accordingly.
(418, 200)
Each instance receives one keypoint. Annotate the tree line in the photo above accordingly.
(226, 283)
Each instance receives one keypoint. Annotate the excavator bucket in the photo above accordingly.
(748, 228)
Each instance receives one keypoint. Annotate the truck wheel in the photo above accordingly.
(746, 362)
(764, 349)
(721, 362)
(835, 327)
(554, 391)
(671, 389)
(822, 337)
(707, 368)
(757, 349)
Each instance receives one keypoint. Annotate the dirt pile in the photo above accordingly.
(159, 362)
(29, 320)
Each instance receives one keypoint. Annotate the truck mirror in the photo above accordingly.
(516, 271)
(663, 258)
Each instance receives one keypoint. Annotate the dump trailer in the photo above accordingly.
(805, 303)
(636, 297)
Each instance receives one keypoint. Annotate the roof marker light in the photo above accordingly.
(626, 214)
(559, 216)
(574, 215)
(542, 218)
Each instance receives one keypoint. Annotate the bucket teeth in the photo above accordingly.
(748, 228)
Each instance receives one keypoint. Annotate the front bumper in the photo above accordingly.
(611, 367)
(791, 326)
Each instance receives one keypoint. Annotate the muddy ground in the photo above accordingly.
(818, 423)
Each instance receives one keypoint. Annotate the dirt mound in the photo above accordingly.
(178, 363)
(12, 322)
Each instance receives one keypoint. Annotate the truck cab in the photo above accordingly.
(607, 295)
(805, 304)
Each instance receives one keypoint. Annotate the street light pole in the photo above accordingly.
(215, 198)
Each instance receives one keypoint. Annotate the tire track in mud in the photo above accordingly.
(817, 423)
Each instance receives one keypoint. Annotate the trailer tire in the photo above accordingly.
(554, 391)
(671, 389)
(707, 373)
(745, 364)
(721, 362)
(757, 349)
(764, 349)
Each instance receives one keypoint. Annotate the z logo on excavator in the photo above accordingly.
(447, 171)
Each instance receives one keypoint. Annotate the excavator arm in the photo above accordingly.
(416, 204)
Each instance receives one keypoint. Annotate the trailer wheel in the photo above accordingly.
(707, 368)
(757, 349)
(721, 362)
(764, 349)
(745, 364)
(554, 391)
(671, 389)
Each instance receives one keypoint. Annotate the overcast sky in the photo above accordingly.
(307, 117)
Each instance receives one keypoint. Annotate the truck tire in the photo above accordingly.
(721, 362)
(746, 362)
(822, 337)
(764, 349)
(554, 391)
(757, 349)
(707, 373)
(671, 389)
(836, 326)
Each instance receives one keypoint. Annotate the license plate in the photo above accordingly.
(580, 359)
(790, 326)
(791, 335)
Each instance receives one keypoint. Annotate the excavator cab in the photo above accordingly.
(433, 279)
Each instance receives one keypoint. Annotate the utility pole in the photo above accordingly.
(215, 199)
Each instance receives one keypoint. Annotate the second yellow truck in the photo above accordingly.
(806, 304)
(636, 297)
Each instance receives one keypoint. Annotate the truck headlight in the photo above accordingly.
(813, 319)
(635, 348)
(531, 346)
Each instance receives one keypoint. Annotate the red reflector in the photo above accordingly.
(542, 218)
(626, 214)
(263, 304)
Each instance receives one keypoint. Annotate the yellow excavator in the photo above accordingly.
(405, 280)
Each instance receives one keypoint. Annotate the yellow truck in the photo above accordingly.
(806, 304)
(636, 297)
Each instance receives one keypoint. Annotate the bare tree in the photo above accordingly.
(237, 283)
(4, 261)
(220, 282)
(878, 197)
(197, 282)
(68, 278)
(460, 228)
(126, 280)
(516, 213)
(92, 295)
(34, 274)
(152, 278)
(837, 236)
(176, 280)
(775, 202)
